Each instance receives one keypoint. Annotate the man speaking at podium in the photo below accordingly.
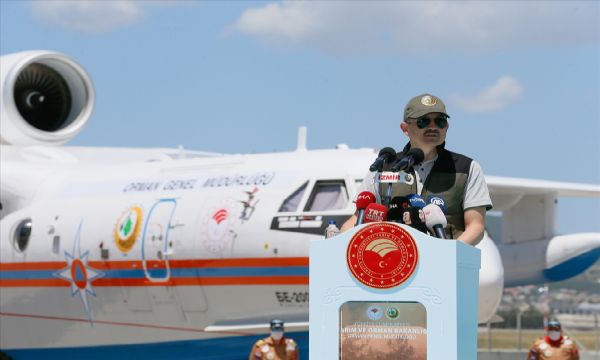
(456, 179)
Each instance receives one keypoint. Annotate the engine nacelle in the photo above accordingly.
(46, 98)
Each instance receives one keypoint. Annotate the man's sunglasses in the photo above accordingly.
(423, 122)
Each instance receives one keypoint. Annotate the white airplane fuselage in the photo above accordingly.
(195, 251)
(106, 249)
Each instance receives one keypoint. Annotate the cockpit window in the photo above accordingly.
(291, 203)
(328, 195)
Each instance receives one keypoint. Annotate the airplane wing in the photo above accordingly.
(528, 206)
(507, 185)
(532, 252)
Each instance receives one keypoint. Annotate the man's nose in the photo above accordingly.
(432, 125)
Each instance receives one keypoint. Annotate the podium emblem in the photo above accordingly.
(382, 255)
(374, 312)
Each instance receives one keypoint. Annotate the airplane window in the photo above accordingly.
(291, 202)
(21, 235)
(55, 244)
(328, 195)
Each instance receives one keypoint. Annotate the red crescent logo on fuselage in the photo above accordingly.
(382, 255)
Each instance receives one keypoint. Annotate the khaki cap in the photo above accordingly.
(423, 105)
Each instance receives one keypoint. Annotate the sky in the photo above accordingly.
(521, 80)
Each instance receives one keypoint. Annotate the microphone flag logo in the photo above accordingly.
(382, 255)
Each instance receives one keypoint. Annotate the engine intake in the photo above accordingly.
(46, 97)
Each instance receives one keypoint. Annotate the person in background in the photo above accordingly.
(553, 346)
(275, 346)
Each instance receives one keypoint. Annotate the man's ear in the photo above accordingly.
(404, 128)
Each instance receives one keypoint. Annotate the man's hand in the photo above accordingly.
(349, 224)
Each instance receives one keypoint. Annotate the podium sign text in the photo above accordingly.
(381, 330)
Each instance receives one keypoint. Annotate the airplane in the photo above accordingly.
(177, 253)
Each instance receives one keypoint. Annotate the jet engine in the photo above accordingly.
(46, 98)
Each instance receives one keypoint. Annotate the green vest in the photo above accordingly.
(447, 179)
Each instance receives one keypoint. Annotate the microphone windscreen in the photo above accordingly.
(414, 217)
(375, 213)
(387, 154)
(416, 201)
(396, 207)
(388, 151)
(399, 202)
(364, 199)
(437, 200)
(395, 214)
(417, 155)
(434, 216)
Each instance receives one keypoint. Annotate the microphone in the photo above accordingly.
(387, 154)
(437, 200)
(413, 156)
(396, 208)
(362, 201)
(375, 213)
(416, 201)
(414, 217)
(435, 220)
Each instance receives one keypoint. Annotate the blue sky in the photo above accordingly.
(521, 80)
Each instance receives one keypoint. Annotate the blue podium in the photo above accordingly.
(387, 291)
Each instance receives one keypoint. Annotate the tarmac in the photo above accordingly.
(520, 355)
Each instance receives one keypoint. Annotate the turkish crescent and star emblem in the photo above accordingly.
(382, 255)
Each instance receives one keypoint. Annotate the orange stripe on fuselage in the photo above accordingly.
(188, 281)
(241, 262)
(137, 264)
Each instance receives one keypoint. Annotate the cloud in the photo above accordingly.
(88, 16)
(411, 27)
(506, 91)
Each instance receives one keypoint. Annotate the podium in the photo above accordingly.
(387, 291)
